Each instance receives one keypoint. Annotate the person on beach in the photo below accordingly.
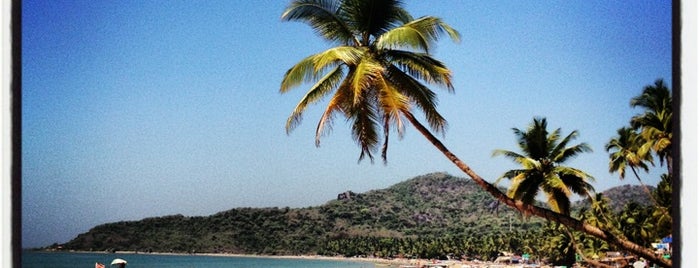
(639, 264)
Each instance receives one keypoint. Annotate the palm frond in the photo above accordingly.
(421, 96)
(335, 105)
(392, 103)
(559, 201)
(577, 185)
(303, 71)
(324, 86)
(526, 187)
(570, 152)
(536, 139)
(421, 66)
(418, 34)
(323, 16)
(312, 67)
(553, 182)
(367, 71)
(347, 55)
(373, 18)
(510, 174)
(509, 154)
(403, 37)
(577, 173)
(617, 163)
(362, 114)
(654, 98)
(552, 143)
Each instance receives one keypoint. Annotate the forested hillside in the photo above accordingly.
(429, 216)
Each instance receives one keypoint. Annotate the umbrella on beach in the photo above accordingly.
(120, 262)
(667, 239)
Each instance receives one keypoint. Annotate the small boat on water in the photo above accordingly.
(121, 263)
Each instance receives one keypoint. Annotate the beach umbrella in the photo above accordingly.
(120, 262)
(667, 239)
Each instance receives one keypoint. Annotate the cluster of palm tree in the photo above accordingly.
(649, 132)
(544, 154)
(378, 75)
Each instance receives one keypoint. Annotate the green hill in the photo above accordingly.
(410, 218)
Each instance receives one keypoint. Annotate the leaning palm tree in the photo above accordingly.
(373, 77)
(542, 158)
(655, 122)
(374, 74)
(625, 152)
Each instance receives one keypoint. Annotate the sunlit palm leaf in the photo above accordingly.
(349, 56)
(324, 86)
(341, 97)
(418, 34)
(304, 71)
(364, 76)
(364, 125)
(421, 96)
(421, 66)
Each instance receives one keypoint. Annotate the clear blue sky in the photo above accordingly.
(135, 109)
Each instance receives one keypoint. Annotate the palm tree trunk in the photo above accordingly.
(538, 211)
(668, 160)
(593, 263)
(655, 202)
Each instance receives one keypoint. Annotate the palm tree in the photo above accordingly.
(560, 245)
(637, 223)
(374, 78)
(662, 214)
(374, 74)
(625, 151)
(542, 160)
(599, 214)
(655, 122)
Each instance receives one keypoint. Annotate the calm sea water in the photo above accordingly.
(34, 259)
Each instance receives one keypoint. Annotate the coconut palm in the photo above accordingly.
(560, 245)
(595, 248)
(637, 223)
(374, 75)
(599, 213)
(663, 191)
(373, 78)
(655, 122)
(625, 152)
(542, 158)
(661, 214)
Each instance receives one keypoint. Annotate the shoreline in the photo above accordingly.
(379, 262)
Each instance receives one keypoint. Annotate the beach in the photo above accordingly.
(378, 262)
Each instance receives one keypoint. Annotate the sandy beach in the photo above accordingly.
(379, 262)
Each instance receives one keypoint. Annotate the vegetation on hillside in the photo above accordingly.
(431, 216)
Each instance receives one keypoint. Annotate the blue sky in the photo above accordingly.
(135, 109)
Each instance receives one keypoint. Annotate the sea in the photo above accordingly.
(42, 259)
